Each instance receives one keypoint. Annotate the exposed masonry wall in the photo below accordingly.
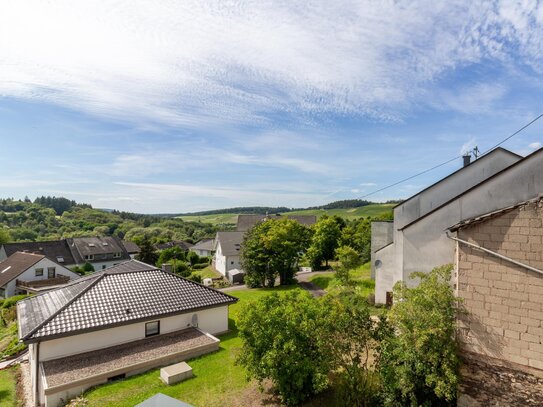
(504, 301)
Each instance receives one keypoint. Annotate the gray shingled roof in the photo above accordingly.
(204, 244)
(131, 247)
(230, 242)
(124, 294)
(246, 222)
(99, 247)
(17, 264)
(50, 249)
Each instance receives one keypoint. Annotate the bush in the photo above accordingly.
(197, 278)
(281, 342)
(87, 267)
(11, 301)
(419, 362)
(199, 266)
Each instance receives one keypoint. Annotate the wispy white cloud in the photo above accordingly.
(197, 63)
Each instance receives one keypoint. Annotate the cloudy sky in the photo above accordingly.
(169, 106)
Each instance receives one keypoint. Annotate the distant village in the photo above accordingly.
(90, 312)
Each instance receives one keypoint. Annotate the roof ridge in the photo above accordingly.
(54, 314)
(196, 283)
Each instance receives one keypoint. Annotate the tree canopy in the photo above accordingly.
(273, 248)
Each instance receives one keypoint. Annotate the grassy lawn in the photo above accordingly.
(217, 382)
(208, 272)
(351, 213)
(7, 388)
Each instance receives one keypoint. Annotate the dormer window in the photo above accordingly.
(89, 257)
(117, 255)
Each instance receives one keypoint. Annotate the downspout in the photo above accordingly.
(501, 256)
(37, 395)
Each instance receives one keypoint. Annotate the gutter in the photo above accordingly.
(501, 256)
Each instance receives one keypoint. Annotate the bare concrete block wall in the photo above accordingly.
(504, 301)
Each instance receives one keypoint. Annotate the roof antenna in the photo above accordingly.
(476, 152)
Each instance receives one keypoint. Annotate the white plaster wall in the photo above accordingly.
(452, 186)
(30, 274)
(220, 260)
(233, 262)
(384, 274)
(212, 320)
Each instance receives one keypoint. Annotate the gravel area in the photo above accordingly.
(68, 369)
(26, 384)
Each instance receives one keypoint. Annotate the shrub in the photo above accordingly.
(11, 301)
(281, 342)
(199, 266)
(197, 278)
(87, 267)
(418, 362)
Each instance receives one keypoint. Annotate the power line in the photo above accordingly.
(455, 158)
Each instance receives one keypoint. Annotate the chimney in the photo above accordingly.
(467, 159)
(167, 267)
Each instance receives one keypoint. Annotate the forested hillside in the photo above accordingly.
(52, 218)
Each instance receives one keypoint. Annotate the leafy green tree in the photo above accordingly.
(324, 242)
(5, 237)
(273, 248)
(172, 253)
(419, 362)
(87, 267)
(197, 278)
(351, 337)
(281, 342)
(193, 258)
(348, 260)
(147, 252)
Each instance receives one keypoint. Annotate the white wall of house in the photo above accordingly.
(201, 252)
(226, 263)
(102, 265)
(30, 275)
(3, 255)
(424, 245)
(211, 320)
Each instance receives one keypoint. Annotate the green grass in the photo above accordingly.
(217, 382)
(208, 272)
(351, 213)
(8, 395)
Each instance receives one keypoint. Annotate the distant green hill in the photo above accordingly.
(346, 213)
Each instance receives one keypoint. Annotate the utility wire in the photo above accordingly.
(452, 159)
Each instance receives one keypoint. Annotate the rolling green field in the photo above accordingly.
(351, 213)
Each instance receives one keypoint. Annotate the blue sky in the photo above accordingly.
(183, 106)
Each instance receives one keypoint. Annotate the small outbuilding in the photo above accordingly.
(236, 276)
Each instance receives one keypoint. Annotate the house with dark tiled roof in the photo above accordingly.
(101, 252)
(121, 321)
(182, 244)
(23, 273)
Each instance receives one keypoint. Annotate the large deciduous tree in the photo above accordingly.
(273, 248)
(324, 242)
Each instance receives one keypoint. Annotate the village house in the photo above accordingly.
(182, 244)
(204, 247)
(119, 322)
(101, 252)
(416, 241)
(24, 273)
(227, 251)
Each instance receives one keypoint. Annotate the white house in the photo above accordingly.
(125, 320)
(418, 235)
(227, 251)
(204, 247)
(22, 273)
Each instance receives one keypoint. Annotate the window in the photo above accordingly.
(51, 272)
(2, 292)
(103, 266)
(39, 272)
(60, 259)
(152, 328)
(89, 257)
(231, 262)
(116, 255)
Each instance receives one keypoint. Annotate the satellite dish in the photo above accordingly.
(194, 322)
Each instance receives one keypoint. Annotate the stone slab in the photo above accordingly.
(175, 373)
